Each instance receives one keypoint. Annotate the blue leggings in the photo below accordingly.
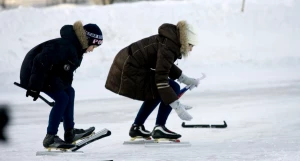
(63, 109)
(163, 111)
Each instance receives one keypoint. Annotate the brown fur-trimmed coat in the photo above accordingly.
(141, 70)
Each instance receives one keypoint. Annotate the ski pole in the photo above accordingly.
(41, 97)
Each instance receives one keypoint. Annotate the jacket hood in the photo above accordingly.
(76, 34)
(182, 29)
(169, 31)
(177, 34)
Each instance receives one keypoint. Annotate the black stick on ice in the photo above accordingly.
(204, 125)
(41, 97)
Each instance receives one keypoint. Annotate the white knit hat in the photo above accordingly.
(192, 37)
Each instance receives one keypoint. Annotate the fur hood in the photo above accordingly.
(182, 29)
(80, 33)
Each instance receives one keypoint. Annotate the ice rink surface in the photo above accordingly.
(251, 59)
(263, 124)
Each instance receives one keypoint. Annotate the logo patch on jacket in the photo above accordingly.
(66, 67)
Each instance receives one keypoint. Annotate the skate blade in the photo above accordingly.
(168, 144)
(139, 140)
(42, 153)
(52, 149)
(167, 140)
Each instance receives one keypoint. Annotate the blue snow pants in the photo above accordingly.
(163, 111)
(63, 109)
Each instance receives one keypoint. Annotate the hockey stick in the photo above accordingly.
(204, 125)
(41, 97)
(182, 91)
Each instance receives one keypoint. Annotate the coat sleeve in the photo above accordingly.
(42, 64)
(175, 72)
(164, 64)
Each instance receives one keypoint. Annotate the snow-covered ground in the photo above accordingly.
(251, 60)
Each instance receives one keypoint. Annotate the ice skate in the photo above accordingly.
(57, 146)
(54, 142)
(161, 133)
(139, 135)
(73, 135)
(139, 132)
(163, 137)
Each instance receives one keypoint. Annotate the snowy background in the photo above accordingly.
(251, 60)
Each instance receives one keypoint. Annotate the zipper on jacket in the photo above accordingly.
(151, 69)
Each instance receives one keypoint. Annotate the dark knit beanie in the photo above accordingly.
(94, 34)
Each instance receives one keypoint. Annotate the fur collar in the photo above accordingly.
(182, 27)
(80, 33)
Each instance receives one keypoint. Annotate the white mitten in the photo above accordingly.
(188, 81)
(186, 107)
(180, 110)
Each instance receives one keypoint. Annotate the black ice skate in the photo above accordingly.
(161, 137)
(76, 134)
(139, 131)
(160, 132)
(54, 142)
